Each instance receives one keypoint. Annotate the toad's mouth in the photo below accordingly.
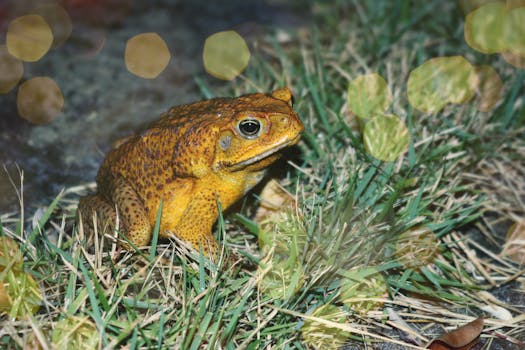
(264, 155)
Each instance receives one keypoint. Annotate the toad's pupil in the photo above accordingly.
(249, 127)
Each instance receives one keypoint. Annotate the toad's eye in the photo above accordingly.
(249, 128)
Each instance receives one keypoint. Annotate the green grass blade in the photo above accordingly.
(155, 236)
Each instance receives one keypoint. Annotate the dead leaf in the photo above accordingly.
(489, 88)
(514, 247)
(493, 306)
(274, 199)
(463, 338)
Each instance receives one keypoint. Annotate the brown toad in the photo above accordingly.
(193, 157)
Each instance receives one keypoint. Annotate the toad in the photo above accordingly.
(193, 158)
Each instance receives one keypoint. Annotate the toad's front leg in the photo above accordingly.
(196, 222)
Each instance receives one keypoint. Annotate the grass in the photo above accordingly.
(349, 251)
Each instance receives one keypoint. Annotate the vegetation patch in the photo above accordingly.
(385, 232)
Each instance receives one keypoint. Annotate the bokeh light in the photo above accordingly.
(470, 5)
(498, 27)
(39, 100)
(225, 55)
(459, 79)
(513, 4)
(484, 28)
(282, 279)
(10, 255)
(28, 38)
(368, 95)
(147, 55)
(514, 31)
(11, 70)
(439, 81)
(489, 88)
(58, 20)
(514, 59)
(321, 336)
(5, 300)
(282, 239)
(355, 291)
(75, 333)
(20, 296)
(417, 247)
(386, 137)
